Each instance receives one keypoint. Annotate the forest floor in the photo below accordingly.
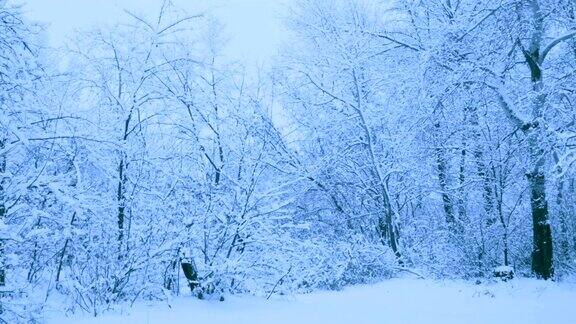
(394, 301)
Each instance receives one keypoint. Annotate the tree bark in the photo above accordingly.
(189, 269)
(2, 212)
(482, 169)
(63, 252)
(121, 197)
(387, 226)
(441, 169)
(542, 233)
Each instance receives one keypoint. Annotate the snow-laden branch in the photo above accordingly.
(506, 105)
(394, 40)
(555, 42)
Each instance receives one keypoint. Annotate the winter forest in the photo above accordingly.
(429, 139)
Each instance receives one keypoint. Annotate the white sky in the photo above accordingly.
(253, 26)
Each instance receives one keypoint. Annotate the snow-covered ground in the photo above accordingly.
(394, 301)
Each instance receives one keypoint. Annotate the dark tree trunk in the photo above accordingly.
(443, 179)
(542, 262)
(190, 272)
(394, 235)
(387, 228)
(499, 201)
(121, 197)
(170, 276)
(563, 216)
(122, 183)
(442, 170)
(63, 252)
(462, 214)
(542, 233)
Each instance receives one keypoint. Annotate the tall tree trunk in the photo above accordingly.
(462, 214)
(442, 168)
(572, 211)
(563, 217)
(542, 262)
(499, 194)
(542, 233)
(2, 212)
(481, 168)
(121, 201)
(63, 252)
(387, 225)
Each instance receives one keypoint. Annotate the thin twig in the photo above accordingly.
(278, 282)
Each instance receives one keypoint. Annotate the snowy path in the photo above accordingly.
(393, 301)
